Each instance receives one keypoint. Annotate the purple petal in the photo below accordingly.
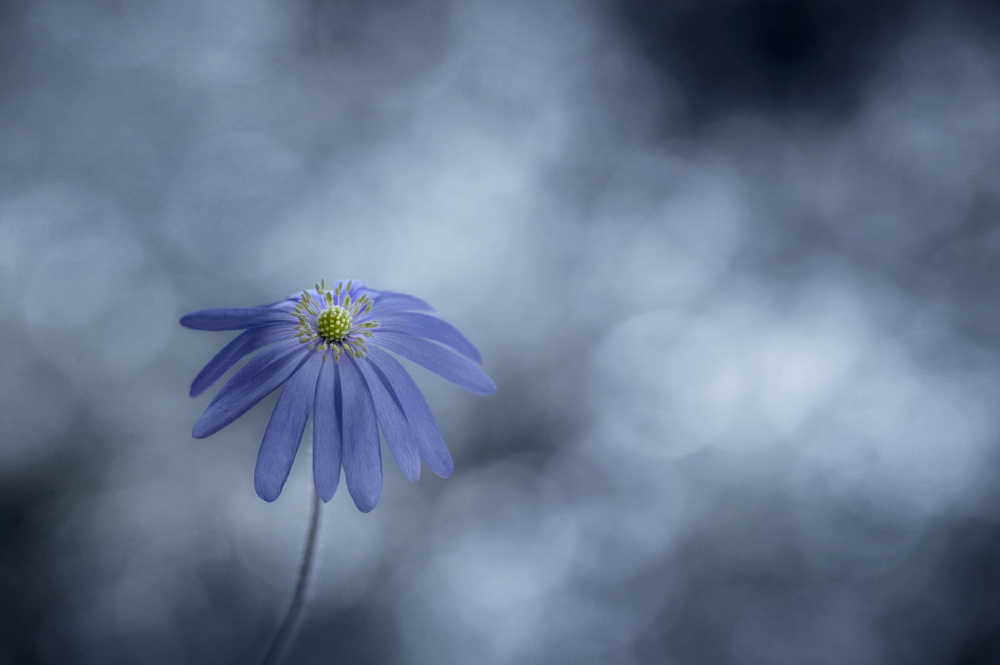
(246, 342)
(357, 288)
(284, 431)
(447, 364)
(398, 434)
(392, 301)
(282, 303)
(400, 384)
(431, 327)
(234, 318)
(362, 450)
(255, 381)
(327, 443)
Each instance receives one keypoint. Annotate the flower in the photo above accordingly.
(332, 348)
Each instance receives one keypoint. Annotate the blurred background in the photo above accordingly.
(734, 266)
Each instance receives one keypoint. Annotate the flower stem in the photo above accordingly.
(288, 626)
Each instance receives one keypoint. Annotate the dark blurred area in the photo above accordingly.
(770, 55)
(734, 266)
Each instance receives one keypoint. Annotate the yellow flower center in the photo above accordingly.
(327, 322)
(334, 323)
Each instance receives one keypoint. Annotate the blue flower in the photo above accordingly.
(332, 348)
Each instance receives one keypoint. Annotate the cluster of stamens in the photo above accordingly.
(329, 322)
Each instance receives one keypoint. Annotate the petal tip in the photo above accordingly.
(265, 490)
(485, 389)
(366, 504)
(325, 493)
(444, 469)
(267, 496)
(189, 320)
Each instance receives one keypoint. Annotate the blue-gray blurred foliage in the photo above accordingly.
(735, 267)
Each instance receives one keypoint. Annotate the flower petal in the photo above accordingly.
(246, 342)
(431, 327)
(284, 431)
(422, 423)
(327, 442)
(388, 412)
(362, 450)
(392, 301)
(443, 362)
(255, 381)
(234, 318)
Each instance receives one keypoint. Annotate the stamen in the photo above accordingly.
(327, 323)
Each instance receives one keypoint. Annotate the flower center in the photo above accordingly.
(334, 323)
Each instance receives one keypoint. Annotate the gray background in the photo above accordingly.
(733, 266)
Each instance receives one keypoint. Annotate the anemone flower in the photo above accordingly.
(332, 348)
